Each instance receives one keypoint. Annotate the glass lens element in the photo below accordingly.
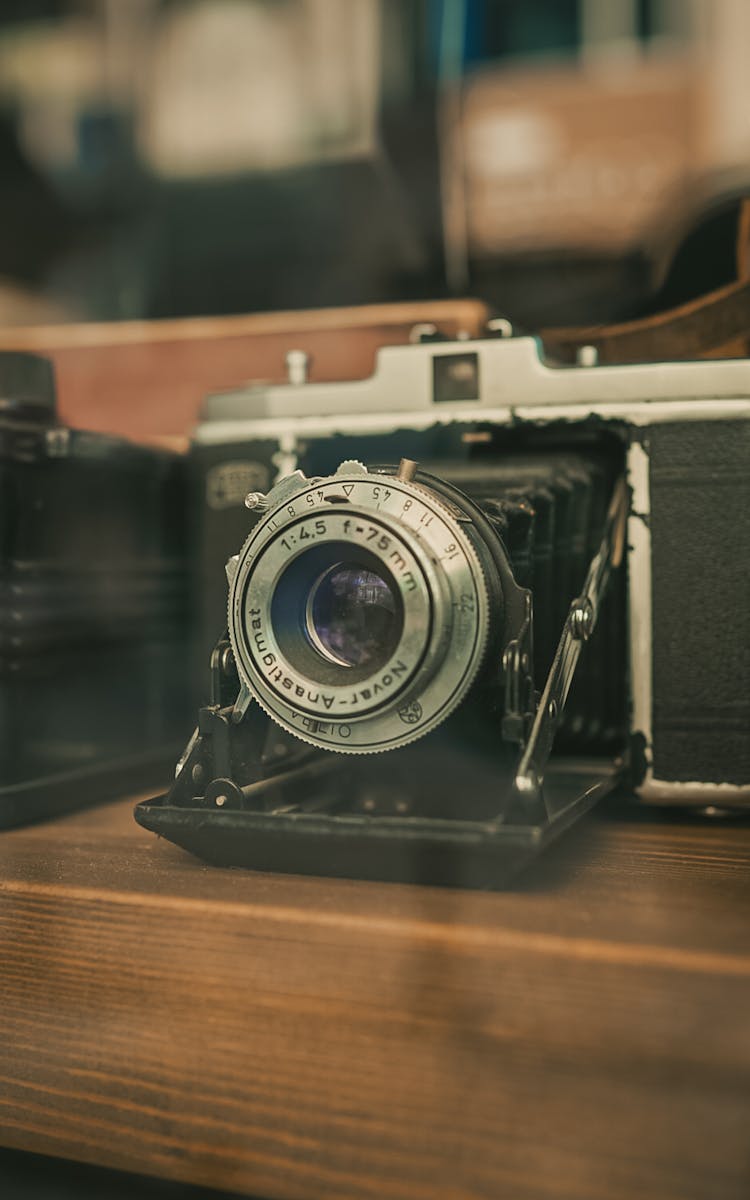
(352, 616)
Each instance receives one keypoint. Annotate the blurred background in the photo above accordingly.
(164, 158)
(562, 161)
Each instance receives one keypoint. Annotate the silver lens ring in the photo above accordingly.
(403, 536)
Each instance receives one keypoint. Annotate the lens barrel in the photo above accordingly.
(359, 612)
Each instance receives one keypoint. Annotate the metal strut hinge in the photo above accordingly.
(579, 625)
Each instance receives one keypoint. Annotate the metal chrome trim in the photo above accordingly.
(719, 795)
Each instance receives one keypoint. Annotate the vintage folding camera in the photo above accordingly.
(467, 596)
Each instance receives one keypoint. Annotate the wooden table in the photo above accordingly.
(584, 1035)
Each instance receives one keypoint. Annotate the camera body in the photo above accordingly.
(93, 617)
(685, 437)
(553, 476)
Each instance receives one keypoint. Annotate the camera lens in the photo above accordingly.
(352, 616)
(359, 611)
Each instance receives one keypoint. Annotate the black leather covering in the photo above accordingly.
(700, 528)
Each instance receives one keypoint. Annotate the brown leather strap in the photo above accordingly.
(717, 322)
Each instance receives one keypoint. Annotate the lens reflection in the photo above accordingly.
(352, 616)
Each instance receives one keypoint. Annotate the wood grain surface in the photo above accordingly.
(584, 1035)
